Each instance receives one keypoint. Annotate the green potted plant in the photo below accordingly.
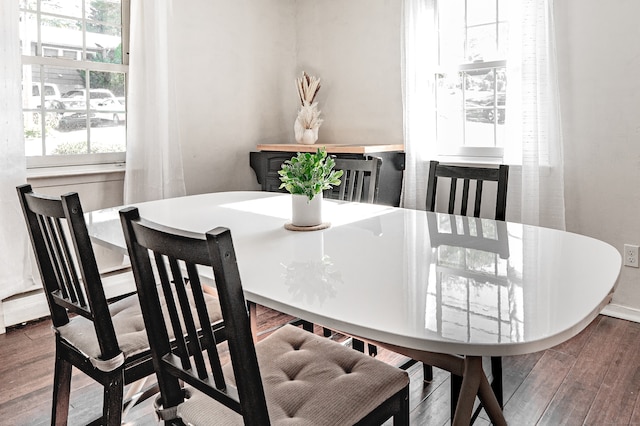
(306, 176)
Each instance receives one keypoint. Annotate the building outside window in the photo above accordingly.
(470, 96)
(75, 64)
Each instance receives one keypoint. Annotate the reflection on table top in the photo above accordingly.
(421, 280)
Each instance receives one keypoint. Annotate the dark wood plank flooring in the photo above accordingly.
(592, 379)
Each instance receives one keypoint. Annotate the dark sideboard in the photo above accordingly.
(269, 158)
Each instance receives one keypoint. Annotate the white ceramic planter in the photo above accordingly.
(305, 212)
(309, 137)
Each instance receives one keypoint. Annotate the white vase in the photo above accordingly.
(305, 212)
(309, 136)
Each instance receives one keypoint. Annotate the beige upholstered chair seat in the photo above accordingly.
(129, 327)
(307, 380)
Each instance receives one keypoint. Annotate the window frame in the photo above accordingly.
(42, 161)
(460, 151)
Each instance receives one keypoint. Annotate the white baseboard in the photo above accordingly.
(25, 307)
(622, 312)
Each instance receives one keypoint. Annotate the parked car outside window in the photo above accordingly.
(104, 106)
(51, 95)
(51, 102)
(111, 110)
(77, 98)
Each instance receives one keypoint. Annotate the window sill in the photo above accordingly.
(469, 160)
(71, 171)
(545, 169)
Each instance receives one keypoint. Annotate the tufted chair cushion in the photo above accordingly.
(307, 380)
(129, 327)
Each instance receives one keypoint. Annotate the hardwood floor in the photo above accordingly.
(593, 379)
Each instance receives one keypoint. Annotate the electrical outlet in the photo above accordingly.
(631, 255)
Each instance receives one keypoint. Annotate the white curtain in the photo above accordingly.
(154, 167)
(533, 117)
(419, 55)
(534, 147)
(15, 270)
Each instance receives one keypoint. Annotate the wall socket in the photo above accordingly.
(631, 255)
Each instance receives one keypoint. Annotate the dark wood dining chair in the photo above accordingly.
(106, 341)
(469, 203)
(292, 376)
(360, 180)
(468, 175)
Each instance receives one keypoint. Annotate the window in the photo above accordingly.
(74, 80)
(470, 81)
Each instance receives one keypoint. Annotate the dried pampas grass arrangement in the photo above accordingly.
(308, 88)
(308, 120)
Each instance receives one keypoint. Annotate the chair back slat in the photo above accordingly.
(359, 190)
(55, 224)
(350, 177)
(478, 201)
(179, 293)
(452, 195)
(342, 190)
(208, 337)
(477, 175)
(465, 196)
(47, 230)
(360, 180)
(190, 251)
(69, 278)
(172, 309)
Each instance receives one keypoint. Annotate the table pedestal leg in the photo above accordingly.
(489, 400)
(468, 390)
(474, 382)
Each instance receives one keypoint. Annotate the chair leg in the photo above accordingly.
(61, 391)
(112, 400)
(358, 345)
(456, 385)
(427, 372)
(496, 383)
(402, 417)
(373, 350)
(307, 326)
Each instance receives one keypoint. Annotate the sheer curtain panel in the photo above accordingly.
(154, 167)
(15, 271)
(533, 145)
(533, 117)
(419, 54)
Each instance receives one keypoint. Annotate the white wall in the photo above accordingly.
(238, 64)
(240, 59)
(354, 47)
(599, 59)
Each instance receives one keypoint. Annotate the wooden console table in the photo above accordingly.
(269, 158)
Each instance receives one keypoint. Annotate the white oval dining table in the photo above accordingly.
(439, 288)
